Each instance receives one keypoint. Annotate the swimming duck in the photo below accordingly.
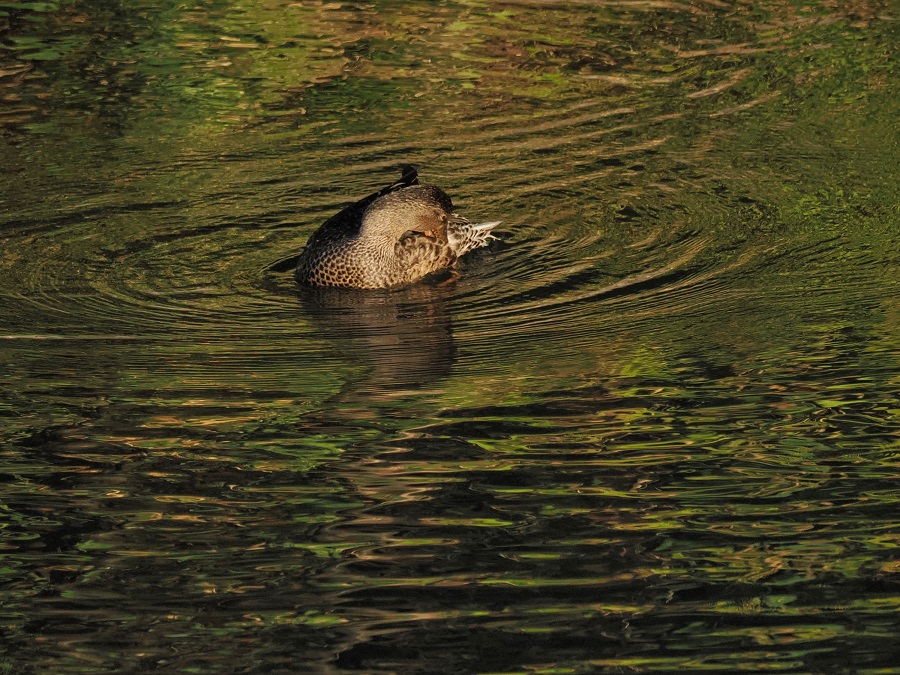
(393, 237)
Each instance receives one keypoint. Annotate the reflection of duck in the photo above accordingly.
(402, 338)
(392, 237)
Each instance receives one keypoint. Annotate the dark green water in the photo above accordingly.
(653, 429)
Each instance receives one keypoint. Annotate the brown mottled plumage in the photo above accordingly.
(393, 237)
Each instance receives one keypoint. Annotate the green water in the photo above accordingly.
(652, 429)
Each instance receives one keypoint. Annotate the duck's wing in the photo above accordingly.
(351, 216)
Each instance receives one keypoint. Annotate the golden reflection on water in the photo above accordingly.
(651, 428)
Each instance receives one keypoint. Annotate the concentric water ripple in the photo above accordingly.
(562, 178)
(652, 428)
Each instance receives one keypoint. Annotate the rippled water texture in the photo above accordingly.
(652, 429)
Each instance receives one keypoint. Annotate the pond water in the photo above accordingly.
(654, 428)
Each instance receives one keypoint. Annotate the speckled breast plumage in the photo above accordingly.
(351, 263)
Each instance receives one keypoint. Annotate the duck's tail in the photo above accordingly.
(464, 236)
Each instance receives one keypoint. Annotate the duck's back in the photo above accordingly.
(330, 258)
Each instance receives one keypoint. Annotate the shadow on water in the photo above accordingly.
(401, 339)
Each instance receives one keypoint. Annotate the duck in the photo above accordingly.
(393, 237)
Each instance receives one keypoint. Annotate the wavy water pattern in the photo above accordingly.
(651, 428)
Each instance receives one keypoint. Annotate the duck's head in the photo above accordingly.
(416, 210)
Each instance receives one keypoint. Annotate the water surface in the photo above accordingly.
(652, 429)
